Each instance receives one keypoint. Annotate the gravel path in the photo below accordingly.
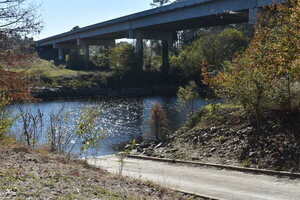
(222, 184)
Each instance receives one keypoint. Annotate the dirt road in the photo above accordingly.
(220, 184)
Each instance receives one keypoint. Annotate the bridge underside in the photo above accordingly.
(156, 24)
(165, 32)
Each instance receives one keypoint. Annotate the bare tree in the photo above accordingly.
(19, 17)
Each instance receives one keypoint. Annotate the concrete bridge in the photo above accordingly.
(156, 24)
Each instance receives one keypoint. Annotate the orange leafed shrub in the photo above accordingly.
(14, 85)
(159, 123)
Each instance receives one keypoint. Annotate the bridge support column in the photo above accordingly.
(165, 57)
(254, 14)
(86, 54)
(61, 56)
(139, 50)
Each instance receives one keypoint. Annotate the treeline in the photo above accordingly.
(212, 47)
(265, 78)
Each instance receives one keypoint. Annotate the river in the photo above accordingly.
(122, 119)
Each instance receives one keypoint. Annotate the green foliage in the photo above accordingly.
(246, 163)
(102, 58)
(211, 113)
(224, 46)
(221, 139)
(5, 121)
(212, 49)
(187, 95)
(86, 128)
(122, 59)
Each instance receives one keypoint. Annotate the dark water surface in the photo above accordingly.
(122, 119)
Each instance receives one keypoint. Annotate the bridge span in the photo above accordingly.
(156, 24)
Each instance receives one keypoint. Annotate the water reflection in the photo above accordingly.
(122, 119)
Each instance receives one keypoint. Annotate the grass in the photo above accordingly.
(7, 141)
(213, 113)
(46, 68)
(45, 73)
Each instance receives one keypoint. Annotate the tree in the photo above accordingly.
(159, 3)
(266, 75)
(211, 49)
(18, 17)
(122, 58)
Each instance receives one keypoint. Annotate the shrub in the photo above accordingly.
(5, 121)
(86, 129)
(122, 59)
(188, 95)
(159, 123)
(32, 126)
(60, 136)
(212, 49)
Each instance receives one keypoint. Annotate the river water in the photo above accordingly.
(122, 119)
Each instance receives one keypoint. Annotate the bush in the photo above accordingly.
(123, 59)
(32, 126)
(159, 123)
(212, 49)
(5, 121)
(188, 95)
(86, 129)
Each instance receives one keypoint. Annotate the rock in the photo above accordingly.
(213, 150)
(134, 151)
(148, 152)
(195, 156)
(158, 146)
(252, 154)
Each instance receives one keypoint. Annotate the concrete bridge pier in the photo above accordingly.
(60, 52)
(86, 54)
(61, 55)
(167, 39)
(165, 57)
(139, 50)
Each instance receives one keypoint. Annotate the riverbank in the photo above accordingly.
(46, 93)
(225, 134)
(27, 174)
(50, 81)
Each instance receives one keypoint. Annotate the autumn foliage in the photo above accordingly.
(266, 76)
(159, 123)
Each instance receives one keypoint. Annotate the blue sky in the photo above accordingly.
(62, 15)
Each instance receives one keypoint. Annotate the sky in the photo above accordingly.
(59, 16)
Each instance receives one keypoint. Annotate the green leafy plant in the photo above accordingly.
(5, 121)
(86, 128)
(188, 95)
